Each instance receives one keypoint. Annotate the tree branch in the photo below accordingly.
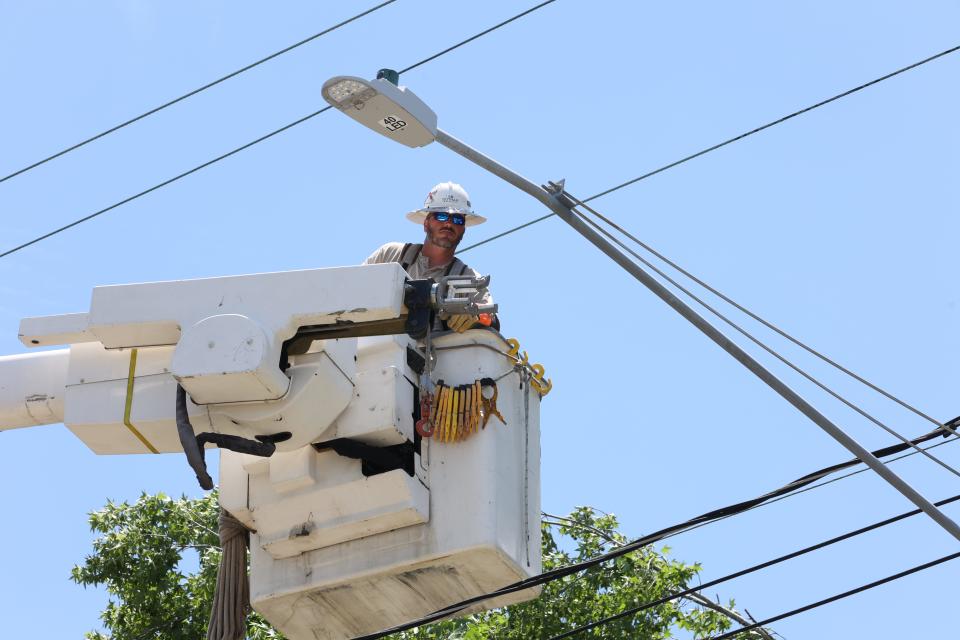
(704, 601)
(573, 523)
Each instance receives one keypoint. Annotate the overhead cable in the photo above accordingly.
(839, 596)
(817, 484)
(254, 142)
(756, 340)
(162, 184)
(170, 103)
(761, 320)
(651, 538)
(478, 35)
(816, 480)
(737, 574)
(743, 135)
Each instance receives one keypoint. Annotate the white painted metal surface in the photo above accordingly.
(340, 549)
(365, 553)
(229, 331)
(228, 358)
(306, 499)
(53, 330)
(380, 413)
(221, 339)
(114, 395)
(32, 387)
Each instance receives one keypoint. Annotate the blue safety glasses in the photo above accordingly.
(455, 218)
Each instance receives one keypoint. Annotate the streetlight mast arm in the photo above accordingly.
(498, 169)
(555, 204)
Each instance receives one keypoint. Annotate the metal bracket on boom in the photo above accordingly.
(556, 189)
(455, 295)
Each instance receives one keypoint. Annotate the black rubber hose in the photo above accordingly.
(264, 449)
(188, 440)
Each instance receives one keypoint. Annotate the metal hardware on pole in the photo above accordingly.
(556, 202)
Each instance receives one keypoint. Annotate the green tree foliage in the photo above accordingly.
(158, 559)
(156, 591)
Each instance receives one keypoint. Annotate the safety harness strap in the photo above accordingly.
(454, 263)
(409, 254)
(411, 251)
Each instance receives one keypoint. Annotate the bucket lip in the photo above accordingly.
(480, 335)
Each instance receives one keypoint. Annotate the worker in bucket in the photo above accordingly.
(445, 215)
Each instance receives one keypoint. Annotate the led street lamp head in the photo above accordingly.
(392, 111)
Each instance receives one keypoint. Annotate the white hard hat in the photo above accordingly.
(447, 197)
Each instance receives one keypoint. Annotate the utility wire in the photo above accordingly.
(479, 35)
(568, 522)
(162, 184)
(804, 490)
(719, 294)
(254, 142)
(752, 338)
(761, 320)
(737, 574)
(805, 484)
(746, 134)
(840, 596)
(509, 231)
(706, 518)
(195, 91)
(802, 485)
(817, 485)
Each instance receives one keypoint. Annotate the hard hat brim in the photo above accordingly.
(470, 219)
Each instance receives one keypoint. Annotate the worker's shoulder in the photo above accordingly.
(390, 252)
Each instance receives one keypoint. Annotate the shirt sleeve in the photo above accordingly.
(389, 252)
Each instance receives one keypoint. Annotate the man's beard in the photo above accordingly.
(443, 242)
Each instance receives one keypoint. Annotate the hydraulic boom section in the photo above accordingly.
(262, 358)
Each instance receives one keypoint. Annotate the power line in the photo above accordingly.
(811, 487)
(761, 320)
(254, 142)
(753, 569)
(817, 485)
(195, 91)
(479, 35)
(162, 184)
(752, 338)
(729, 300)
(840, 596)
(701, 520)
(509, 231)
(743, 135)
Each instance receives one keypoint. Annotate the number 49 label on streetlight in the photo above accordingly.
(392, 123)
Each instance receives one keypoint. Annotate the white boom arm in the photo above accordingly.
(281, 361)
(221, 338)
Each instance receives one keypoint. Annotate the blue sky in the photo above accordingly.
(839, 225)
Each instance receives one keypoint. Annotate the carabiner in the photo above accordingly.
(424, 425)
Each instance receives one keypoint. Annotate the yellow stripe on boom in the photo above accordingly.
(128, 404)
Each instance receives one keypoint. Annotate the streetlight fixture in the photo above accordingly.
(355, 97)
(387, 109)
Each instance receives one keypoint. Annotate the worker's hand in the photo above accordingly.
(461, 322)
